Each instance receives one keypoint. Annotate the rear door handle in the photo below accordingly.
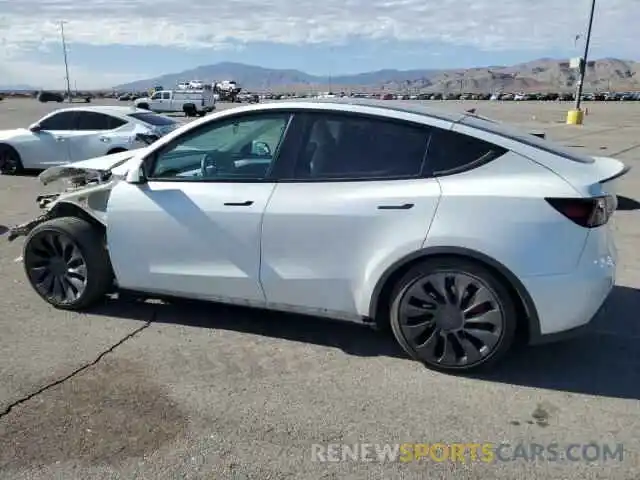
(248, 203)
(404, 206)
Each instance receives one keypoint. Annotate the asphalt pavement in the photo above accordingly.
(156, 391)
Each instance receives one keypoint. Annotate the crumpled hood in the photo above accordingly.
(116, 163)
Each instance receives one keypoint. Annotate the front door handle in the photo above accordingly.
(59, 139)
(405, 206)
(248, 203)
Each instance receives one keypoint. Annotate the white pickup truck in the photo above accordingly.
(190, 102)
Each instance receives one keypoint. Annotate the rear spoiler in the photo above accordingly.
(472, 112)
(622, 172)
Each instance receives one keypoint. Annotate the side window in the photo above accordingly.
(60, 121)
(238, 148)
(166, 96)
(450, 152)
(346, 147)
(156, 96)
(98, 121)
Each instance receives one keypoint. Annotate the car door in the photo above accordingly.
(49, 145)
(193, 227)
(354, 202)
(91, 137)
(155, 102)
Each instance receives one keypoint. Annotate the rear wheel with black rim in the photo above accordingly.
(453, 315)
(10, 163)
(67, 264)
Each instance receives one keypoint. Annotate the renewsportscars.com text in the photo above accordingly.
(468, 452)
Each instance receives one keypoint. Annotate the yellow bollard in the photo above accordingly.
(575, 117)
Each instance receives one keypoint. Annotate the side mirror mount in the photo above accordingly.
(137, 176)
(35, 128)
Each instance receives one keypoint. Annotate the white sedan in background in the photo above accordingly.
(77, 133)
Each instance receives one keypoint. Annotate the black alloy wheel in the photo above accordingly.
(453, 317)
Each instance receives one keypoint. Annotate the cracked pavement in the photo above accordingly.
(192, 390)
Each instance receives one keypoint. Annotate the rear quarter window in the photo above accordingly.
(517, 135)
(452, 152)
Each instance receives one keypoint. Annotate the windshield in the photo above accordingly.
(153, 119)
(511, 133)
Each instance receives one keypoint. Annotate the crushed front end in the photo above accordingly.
(81, 184)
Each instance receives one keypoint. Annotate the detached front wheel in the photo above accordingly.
(453, 315)
(67, 264)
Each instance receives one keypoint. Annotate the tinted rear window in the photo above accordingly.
(153, 119)
(451, 152)
(523, 137)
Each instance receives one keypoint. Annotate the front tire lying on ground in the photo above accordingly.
(453, 315)
(67, 263)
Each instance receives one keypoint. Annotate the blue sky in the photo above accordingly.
(114, 41)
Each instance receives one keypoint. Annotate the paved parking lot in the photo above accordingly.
(205, 391)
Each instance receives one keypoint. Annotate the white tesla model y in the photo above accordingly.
(456, 231)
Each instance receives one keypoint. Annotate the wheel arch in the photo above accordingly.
(528, 321)
(11, 147)
(68, 209)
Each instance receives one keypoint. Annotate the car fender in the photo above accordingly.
(19, 140)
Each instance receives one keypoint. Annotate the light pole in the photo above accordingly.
(66, 63)
(583, 63)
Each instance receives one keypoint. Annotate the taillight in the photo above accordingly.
(586, 212)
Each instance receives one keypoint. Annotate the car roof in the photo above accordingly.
(383, 107)
(409, 110)
(106, 109)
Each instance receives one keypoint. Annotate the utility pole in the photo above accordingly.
(583, 63)
(66, 63)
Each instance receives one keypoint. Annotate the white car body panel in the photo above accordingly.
(106, 162)
(506, 221)
(325, 245)
(40, 150)
(200, 249)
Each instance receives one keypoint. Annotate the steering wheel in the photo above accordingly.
(208, 165)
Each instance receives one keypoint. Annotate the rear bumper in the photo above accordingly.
(541, 339)
(566, 304)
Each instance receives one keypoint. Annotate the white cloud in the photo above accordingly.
(486, 24)
(38, 75)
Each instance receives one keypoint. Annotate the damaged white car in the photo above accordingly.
(461, 234)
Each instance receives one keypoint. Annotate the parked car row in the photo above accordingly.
(566, 97)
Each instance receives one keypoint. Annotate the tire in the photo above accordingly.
(189, 110)
(473, 349)
(143, 106)
(75, 249)
(10, 162)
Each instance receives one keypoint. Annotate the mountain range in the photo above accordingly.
(545, 74)
(537, 75)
